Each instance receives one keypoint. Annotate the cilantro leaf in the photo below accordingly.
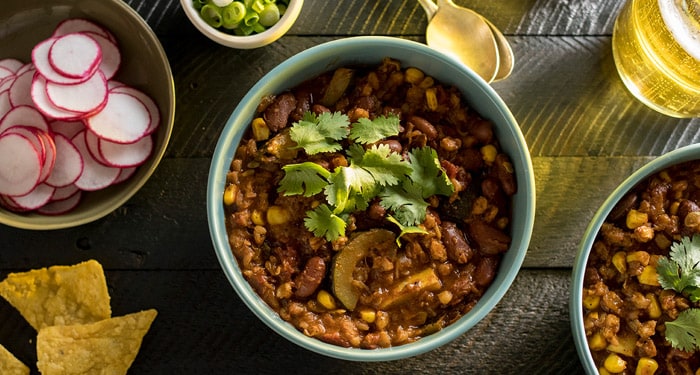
(324, 223)
(320, 133)
(428, 173)
(406, 203)
(386, 167)
(405, 229)
(304, 178)
(684, 332)
(681, 270)
(345, 184)
(370, 131)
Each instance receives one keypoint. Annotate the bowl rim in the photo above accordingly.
(223, 154)
(250, 41)
(680, 155)
(33, 221)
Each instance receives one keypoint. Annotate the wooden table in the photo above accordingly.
(584, 130)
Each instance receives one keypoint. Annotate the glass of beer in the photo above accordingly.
(656, 46)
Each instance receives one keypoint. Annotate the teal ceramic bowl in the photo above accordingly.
(680, 155)
(371, 50)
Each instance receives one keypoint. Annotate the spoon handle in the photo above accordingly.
(429, 7)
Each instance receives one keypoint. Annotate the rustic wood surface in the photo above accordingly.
(584, 131)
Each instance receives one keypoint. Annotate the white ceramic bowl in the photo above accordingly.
(144, 66)
(370, 50)
(245, 42)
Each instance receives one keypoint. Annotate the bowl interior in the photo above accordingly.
(244, 42)
(680, 155)
(371, 50)
(25, 23)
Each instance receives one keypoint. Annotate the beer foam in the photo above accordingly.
(681, 19)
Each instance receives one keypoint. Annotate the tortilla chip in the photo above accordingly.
(106, 347)
(10, 365)
(59, 295)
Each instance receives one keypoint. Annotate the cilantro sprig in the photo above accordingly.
(681, 272)
(402, 185)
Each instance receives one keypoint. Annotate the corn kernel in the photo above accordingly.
(636, 218)
(673, 208)
(230, 194)
(619, 261)
(603, 371)
(591, 302)
(326, 300)
(649, 276)
(692, 220)
(646, 366)
(428, 81)
(257, 218)
(368, 315)
(488, 154)
(277, 215)
(414, 75)
(615, 364)
(662, 241)
(638, 256)
(261, 131)
(431, 99)
(597, 342)
(654, 307)
(445, 297)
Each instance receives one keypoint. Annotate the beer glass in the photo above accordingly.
(656, 47)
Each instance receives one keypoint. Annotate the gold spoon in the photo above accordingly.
(469, 37)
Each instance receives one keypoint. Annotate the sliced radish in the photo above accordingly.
(67, 128)
(59, 207)
(64, 192)
(50, 154)
(111, 55)
(40, 58)
(80, 25)
(5, 73)
(25, 67)
(124, 119)
(33, 136)
(11, 64)
(95, 176)
(7, 82)
(75, 55)
(84, 97)
(69, 163)
(45, 106)
(126, 155)
(21, 165)
(7, 203)
(125, 174)
(26, 116)
(151, 105)
(92, 142)
(5, 105)
(38, 197)
(20, 91)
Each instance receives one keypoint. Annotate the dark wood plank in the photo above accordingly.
(202, 327)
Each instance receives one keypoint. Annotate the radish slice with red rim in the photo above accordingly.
(81, 25)
(30, 134)
(84, 97)
(126, 155)
(150, 104)
(67, 128)
(58, 207)
(11, 64)
(64, 192)
(93, 146)
(45, 106)
(5, 105)
(95, 175)
(125, 174)
(39, 196)
(20, 91)
(24, 115)
(21, 165)
(69, 163)
(40, 58)
(75, 55)
(111, 55)
(124, 119)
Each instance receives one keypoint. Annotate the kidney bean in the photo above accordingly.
(394, 145)
(311, 277)
(318, 109)
(485, 270)
(482, 130)
(489, 240)
(504, 171)
(277, 113)
(424, 126)
(458, 249)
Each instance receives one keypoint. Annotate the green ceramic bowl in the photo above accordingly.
(680, 155)
(144, 66)
(371, 50)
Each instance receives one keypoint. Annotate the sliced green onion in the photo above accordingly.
(243, 30)
(233, 14)
(211, 14)
(269, 15)
(251, 18)
(222, 3)
(258, 28)
(257, 6)
(198, 4)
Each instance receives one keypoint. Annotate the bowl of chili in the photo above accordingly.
(633, 302)
(316, 253)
